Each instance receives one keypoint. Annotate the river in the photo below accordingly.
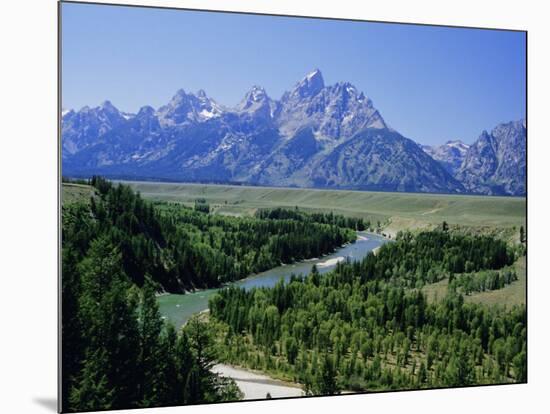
(179, 308)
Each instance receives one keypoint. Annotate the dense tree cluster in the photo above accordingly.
(430, 256)
(117, 350)
(182, 248)
(483, 280)
(235, 247)
(361, 327)
(325, 218)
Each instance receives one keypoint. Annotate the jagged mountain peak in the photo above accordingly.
(335, 112)
(484, 134)
(179, 93)
(314, 76)
(108, 105)
(146, 111)
(185, 108)
(345, 86)
(310, 85)
(349, 92)
(255, 94)
(496, 162)
(104, 109)
(256, 100)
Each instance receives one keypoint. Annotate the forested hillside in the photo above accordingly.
(118, 352)
(367, 326)
(118, 251)
(181, 248)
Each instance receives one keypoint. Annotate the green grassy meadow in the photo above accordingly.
(396, 211)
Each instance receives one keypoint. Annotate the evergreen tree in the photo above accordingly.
(150, 327)
(326, 382)
(93, 392)
(109, 326)
(71, 329)
(202, 382)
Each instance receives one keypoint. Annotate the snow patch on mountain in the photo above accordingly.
(450, 155)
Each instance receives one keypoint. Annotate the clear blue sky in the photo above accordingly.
(431, 84)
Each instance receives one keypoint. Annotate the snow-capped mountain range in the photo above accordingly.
(314, 136)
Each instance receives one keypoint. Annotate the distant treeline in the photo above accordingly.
(69, 180)
(324, 218)
(153, 179)
(361, 327)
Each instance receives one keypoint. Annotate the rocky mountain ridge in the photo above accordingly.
(314, 136)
